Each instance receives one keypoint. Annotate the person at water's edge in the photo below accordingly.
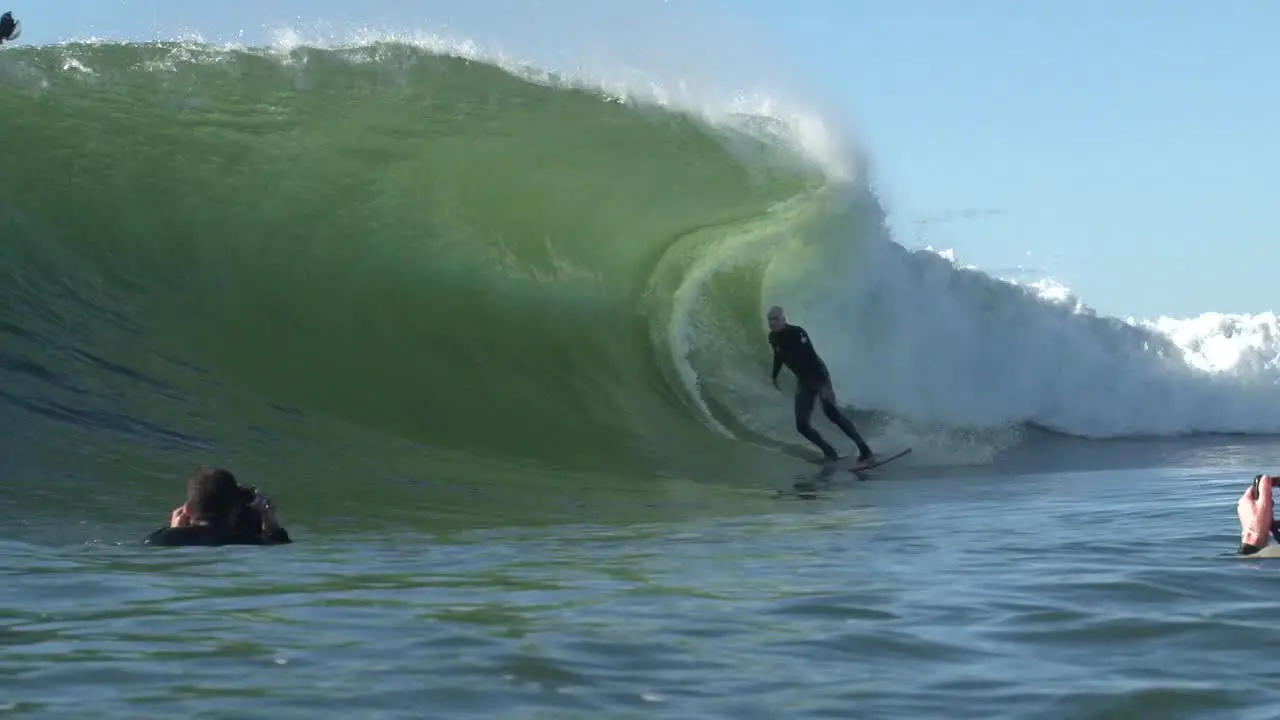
(792, 347)
(220, 511)
(1256, 509)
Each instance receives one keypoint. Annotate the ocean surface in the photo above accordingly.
(493, 339)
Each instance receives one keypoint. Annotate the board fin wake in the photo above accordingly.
(810, 490)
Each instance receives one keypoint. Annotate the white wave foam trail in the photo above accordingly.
(944, 347)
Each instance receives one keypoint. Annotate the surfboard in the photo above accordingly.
(863, 467)
(813, 489)
(851, 463)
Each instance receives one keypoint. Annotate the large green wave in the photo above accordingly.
(332, 245)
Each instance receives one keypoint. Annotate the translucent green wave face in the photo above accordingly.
(335, 264)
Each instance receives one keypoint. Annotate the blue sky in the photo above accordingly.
(1124, 148)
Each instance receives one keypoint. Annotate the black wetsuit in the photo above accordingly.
(7, 24)
(212, 536)
(792, 347)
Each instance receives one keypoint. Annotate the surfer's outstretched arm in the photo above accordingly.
(777, 323)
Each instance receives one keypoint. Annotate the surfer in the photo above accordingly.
(10, 29)
(792, 347)
(1256, 509)
(220, 511)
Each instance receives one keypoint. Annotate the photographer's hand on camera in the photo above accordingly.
(267, 511)
(180, 517)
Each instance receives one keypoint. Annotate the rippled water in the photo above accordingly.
(1108, 594)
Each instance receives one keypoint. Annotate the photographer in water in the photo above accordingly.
(220, 511)
(1256, 510)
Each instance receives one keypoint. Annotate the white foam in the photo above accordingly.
(1244, 347)
(931, 340)
(742, 105)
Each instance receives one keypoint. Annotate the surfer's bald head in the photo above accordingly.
(776, 317)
